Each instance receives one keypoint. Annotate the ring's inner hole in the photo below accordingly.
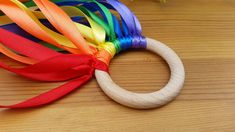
(140, 71)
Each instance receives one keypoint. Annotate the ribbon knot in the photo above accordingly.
(139, 42)
(61, 67)
(127, 42)
(48, 65)
(100, 65)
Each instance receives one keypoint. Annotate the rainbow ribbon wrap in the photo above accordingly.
(87, 30)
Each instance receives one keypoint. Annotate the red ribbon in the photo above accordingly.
(51, 66)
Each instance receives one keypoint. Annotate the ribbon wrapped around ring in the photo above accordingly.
(97, 56)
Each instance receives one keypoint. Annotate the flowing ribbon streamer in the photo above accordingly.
(131, 37)
(95, 28)
(57, 67)
(54, 66)
(87, 31)
(25, 17)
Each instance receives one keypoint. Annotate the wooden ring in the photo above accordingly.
(147, 100)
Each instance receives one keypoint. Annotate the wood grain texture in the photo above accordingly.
(200, 31)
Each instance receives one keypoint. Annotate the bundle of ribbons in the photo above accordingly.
(89, 32)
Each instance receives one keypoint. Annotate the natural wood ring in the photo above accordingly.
(147, 100)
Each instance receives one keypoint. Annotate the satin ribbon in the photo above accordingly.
(56, 67)
(87, 32)
(85, 67)
(51, 66)
(130, 35)
(128, 22)
(122, 41)
(93, 6)
(25, 17)
(80, 67)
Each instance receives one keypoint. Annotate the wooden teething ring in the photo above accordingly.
(147, 100)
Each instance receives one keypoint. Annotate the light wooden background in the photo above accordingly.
(202, 32)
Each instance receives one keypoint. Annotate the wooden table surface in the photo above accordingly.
(202, 32)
